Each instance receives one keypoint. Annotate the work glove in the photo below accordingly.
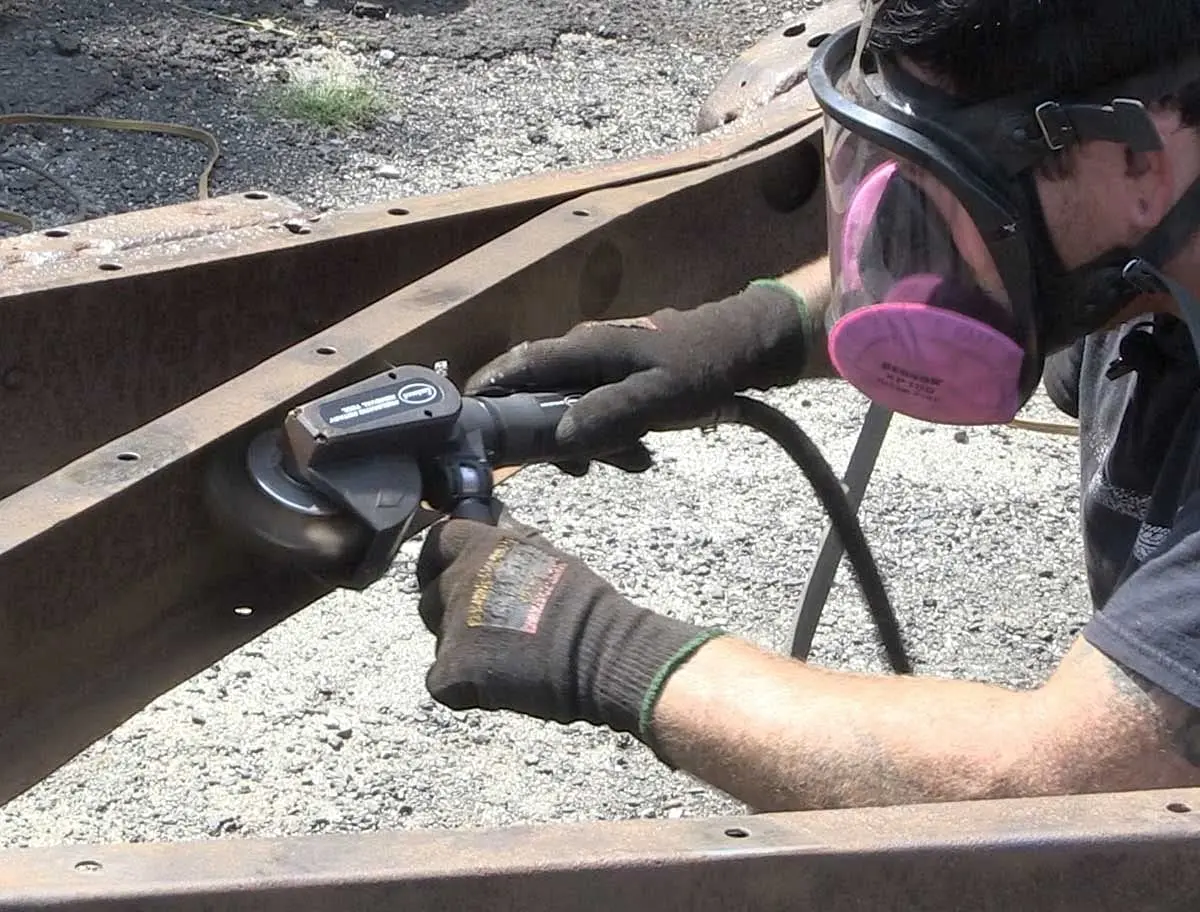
(523, 626)
(668, 371)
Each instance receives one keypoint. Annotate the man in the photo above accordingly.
(1013, 199)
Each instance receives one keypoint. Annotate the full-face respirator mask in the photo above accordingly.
(947, 293)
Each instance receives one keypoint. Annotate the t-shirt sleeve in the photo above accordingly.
(1151, 624)
(1061, 378)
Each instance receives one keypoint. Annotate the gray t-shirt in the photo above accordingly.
(1140, 504)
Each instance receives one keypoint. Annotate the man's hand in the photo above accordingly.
(523, 626)
(670, 370)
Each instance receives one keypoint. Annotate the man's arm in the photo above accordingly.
(812, 282)
(782, 735)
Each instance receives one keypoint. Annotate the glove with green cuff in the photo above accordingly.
(523, 626)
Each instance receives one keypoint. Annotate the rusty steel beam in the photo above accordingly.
(117, 586)
(150, 309)
(185, 328)
(1077, 854)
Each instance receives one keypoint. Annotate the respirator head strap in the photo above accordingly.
(1143, 272)
(1123, 120)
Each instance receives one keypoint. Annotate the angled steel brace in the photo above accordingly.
(1102, 853)
(99, 616)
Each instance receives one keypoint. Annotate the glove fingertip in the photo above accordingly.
(443, 542)
(581, 430)
(576, 468)
(501, 374)
(430, 608)
(635, 459)
(455, 695)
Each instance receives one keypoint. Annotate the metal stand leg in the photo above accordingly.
(820, 581)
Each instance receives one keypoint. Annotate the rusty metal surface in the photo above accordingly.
(763, 78)
(99, 617)
(165, 304)
(1092, 854)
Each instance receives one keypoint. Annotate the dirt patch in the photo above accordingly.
(456, 93)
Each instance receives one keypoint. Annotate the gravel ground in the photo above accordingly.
(323, 725)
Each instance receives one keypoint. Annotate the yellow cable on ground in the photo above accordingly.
(265, 25)
(1045, 427)
(109, 123)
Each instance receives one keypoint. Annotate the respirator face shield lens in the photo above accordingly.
(922, 320)
(931, 312)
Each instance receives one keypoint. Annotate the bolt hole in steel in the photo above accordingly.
(399, 211)
(326, 350)
(737, 833)
(128, 457)
(790, 179)
(88, 867)
(110, 267)
(582, 213)
(243, 611)
(794, 31)
(257, 195)
(1178, 807)
(816, 40)
(58, 233)
(601, 280)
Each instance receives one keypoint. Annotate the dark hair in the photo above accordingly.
(988, 48)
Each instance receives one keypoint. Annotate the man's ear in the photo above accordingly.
(1154, 186)
(1152, 175)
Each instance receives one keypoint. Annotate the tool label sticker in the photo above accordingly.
(353, 410)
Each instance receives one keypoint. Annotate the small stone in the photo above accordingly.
(198, 720)
(228, 825)
(67, 45)
(960, 437)
(366, 10)
(345, 733)
(391, 172)
(386, 56)
(532, 759)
